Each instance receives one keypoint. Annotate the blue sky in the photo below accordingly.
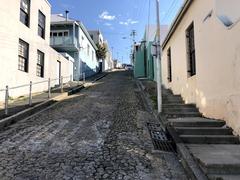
(117, 18)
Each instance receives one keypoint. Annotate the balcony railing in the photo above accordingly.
(58, 41)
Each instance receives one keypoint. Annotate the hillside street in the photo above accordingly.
(99, 133)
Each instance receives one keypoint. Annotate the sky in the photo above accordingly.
(117, 18)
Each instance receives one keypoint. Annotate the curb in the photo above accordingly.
(41, 106)
(191, 167)
(97, 79)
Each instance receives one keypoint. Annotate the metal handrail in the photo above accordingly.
(30, 85)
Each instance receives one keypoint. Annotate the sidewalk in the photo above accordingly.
(17, 105)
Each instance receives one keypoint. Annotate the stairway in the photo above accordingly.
(210, 141)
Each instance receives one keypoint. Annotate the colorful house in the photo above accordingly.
(69, 35)
(144, 62)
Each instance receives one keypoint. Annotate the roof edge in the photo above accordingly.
(88, 36)
(176, 21)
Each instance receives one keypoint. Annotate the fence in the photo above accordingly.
(51, 84)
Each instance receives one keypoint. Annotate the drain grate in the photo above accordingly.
(159, 138)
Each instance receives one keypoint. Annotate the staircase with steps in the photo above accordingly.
(210, 141)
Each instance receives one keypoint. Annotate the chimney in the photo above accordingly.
(66, 12)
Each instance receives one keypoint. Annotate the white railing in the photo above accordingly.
(59, 85)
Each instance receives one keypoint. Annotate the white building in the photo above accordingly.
(25, 53)
(69, 35)
(201, 58)
(97, 37)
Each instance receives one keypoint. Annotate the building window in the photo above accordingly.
(25, 12)
(191, 50)
(88, 50)
(59, 34)
(92, 55)
(40, 64)
(41, 24)
(169, 59)
(65, 33)
(23, 50)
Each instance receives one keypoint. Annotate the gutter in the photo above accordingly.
(177, 21)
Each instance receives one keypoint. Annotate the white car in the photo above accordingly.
(128, 67)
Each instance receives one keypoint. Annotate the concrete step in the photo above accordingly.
(182, 114)
(195, 122)
(172, 100)
(210, 139)
(224, 177)
(220, 160)
(180, 109)
(203, 131)
(179, 105)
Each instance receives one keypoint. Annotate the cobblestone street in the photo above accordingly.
(99, 133)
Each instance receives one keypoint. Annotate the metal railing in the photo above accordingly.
(58, 85)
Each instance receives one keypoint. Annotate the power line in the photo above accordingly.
(170, 10)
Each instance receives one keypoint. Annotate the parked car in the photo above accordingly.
(128, 67)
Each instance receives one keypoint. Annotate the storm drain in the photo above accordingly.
(159, 138)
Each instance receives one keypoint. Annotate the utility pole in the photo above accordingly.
(159, 76)
(133, 34)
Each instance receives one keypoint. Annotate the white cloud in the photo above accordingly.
(128, 22)
(107, 24)
(106, 16)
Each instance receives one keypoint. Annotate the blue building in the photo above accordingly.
(70, 36)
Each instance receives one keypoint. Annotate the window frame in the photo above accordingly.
(191, 53)
(43, 29)
(21, 57)
(27, 14)
(64, 32)
(41, 64)
(169, 64)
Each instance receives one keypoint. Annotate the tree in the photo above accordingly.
(102, 51)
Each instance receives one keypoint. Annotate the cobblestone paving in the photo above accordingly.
(98, 134)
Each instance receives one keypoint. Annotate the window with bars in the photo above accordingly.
(40, 64)
(41, 24)
(191, 50)
(23, 50)
(169, 59)
(25, 11)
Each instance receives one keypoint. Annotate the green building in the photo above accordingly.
(144, 61)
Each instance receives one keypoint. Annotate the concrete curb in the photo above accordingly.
(97, 79)
(41, 106)
(191, 167)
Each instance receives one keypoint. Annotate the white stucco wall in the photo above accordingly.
(216, 86)
(84, 56)
(11, 30)
(229, 9)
